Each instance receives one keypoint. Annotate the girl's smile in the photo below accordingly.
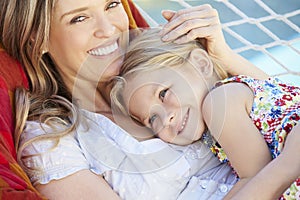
(184, 122)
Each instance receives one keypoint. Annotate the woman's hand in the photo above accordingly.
(201, 22)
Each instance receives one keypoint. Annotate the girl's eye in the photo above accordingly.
(151, 119)
(78, 19)
(113, 4)
(162, 94)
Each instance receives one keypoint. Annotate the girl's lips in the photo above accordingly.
(185, 119)
(103, 51)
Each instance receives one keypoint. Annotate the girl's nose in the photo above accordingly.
(166, 125)
(104, 27)
(169, 118)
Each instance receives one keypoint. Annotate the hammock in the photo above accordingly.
(265, 32)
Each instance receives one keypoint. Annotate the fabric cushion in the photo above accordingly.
(14, 184)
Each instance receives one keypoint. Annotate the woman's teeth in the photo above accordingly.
(104, 51)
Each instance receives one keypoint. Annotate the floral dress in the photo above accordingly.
(275, 111)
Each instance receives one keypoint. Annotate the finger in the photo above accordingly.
(179, 19)
(206, 8)
(188, 27)
(203, 32)
(194, 9)
(168, 14)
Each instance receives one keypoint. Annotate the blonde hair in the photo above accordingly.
(24, 32)
(147, 53)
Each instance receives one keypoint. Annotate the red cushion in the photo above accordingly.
(14, 184)
(138, 18)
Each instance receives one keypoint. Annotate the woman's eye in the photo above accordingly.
(162, 94)
(151, 119)
(113, 4)
(78, 19)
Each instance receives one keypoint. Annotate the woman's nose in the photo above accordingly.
(104, 27)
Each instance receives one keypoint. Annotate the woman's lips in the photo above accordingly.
(103, 51)
(184, 121)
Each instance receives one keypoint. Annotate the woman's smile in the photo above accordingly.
(106, 49)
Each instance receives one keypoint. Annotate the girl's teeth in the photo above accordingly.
(183, 123)
(104, 51)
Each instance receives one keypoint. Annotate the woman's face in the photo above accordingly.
(87, 38)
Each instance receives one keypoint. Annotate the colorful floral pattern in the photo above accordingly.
(275, 111)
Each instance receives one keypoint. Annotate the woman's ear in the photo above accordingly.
(201, 61)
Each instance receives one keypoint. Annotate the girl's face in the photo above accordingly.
(87, 38)
(168, 101)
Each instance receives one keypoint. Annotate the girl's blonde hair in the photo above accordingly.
(24, 34)
(147, 53)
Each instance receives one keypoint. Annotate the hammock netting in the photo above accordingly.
(266, 32)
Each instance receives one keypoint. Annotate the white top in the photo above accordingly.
(135, 170)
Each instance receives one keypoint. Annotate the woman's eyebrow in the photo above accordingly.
(73, 12)
(76, 10)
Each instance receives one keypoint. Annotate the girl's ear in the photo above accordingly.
(201, 61)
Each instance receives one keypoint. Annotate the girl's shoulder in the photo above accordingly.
(229, 93)
(225, 104)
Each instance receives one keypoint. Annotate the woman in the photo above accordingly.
(52, 39)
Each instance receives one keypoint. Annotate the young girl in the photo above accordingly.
(177, 91)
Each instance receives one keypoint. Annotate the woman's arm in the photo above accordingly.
(64, 167)
(202, 22)
(81, 185)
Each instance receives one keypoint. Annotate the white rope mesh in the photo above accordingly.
(258, 23)
(288, 72)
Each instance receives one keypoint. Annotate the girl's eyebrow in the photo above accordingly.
(137, 120)
(73, 12)
(155, 88)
